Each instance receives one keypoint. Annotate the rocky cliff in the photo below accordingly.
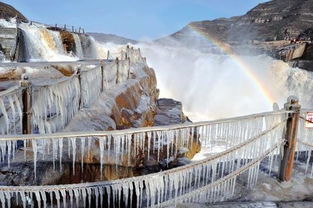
(7, 12)
(280, 28)
(273, 20)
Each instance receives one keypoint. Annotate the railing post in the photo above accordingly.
(80, 87)
(102, 75)
(27, 106)
(287, 156)
(117, 70)
(128, 72)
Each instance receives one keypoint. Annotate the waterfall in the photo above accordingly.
(43, 45)
(78, 46)
(213, 86)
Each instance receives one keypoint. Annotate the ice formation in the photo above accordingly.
(11, 111)
(90, 84)
(304, 143)
(55, 105)
(210, 180)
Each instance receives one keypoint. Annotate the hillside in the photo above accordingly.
(7, 12)
(273, 20)
(282, 29)
(106, 38)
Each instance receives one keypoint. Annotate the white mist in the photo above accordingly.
(214, 86)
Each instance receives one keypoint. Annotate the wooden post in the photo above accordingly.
(117, 70)
(287, 156)
(27, 106)
(128, 72)
(102, 75)
(80, 87)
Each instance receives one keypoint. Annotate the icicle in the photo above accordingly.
(89, 196)
(159, 146)
(101, 197)
(38, 198)
(44, 199)
(54, 151)
(129, 145)
(2, 199)
(77, 196)
(34, 146)
(101, 147)
(307, 162)
(63, 197)
(82, 149)
(23, 198)
(70, 193)
(74, 153)
(96, 193)
(61, 151)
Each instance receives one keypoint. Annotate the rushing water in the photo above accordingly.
(213, 86)
(43, 44)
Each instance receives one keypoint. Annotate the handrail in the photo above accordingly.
(305, 110)
(10, 90)
(305, 143)
(48, 63)
(133, 130)
(138, 178)
(55, 82)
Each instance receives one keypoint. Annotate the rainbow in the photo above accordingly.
(249, 72)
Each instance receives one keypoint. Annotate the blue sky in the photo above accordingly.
(137, 19)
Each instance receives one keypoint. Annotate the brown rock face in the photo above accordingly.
(68, 41)
(11, 74)
(7, 12)
(65, 70)
(291, 52)
(126, 112)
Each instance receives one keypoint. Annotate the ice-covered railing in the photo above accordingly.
(53, 106)
(224, 188)
(11, 116)
(90, 84)
(248, 138)
(305, 141)
(11, 110)
(133, 54)
(127, 144)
